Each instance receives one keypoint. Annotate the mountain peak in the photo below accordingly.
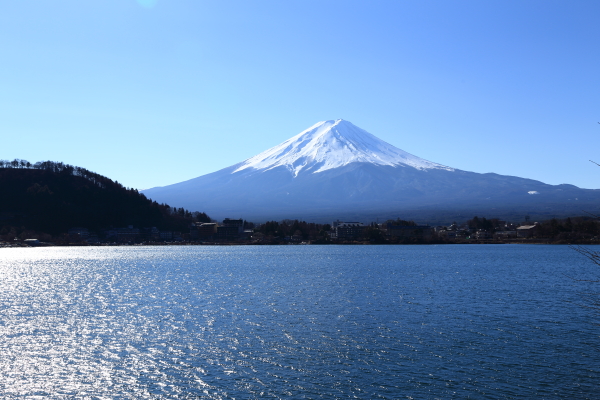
(332, 144)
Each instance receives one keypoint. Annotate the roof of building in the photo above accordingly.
(525, 227)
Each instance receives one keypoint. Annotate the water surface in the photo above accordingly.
(367, 322)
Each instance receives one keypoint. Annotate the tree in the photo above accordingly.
(400, 222)
(483, 223)
(591, 300)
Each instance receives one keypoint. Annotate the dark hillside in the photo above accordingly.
(52, 197)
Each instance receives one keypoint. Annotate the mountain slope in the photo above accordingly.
(333, 144)
(53, 197)
(337, 170)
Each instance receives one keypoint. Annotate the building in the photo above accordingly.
(239, 223)
(129, 234)
(527, 231)
(124, 235)
(482, 234)
(231, 229)
(166, 235)
(506, 234)
(203, 231)
(228, 232)
(152, 233)
(347, 230)
(443, 233)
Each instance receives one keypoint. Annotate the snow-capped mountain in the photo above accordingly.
(333, 144)
(335, 169)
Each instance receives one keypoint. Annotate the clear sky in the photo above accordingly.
(154, 92)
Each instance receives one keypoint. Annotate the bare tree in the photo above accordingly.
(590, 299)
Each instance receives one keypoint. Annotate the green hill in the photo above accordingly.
(51, 197)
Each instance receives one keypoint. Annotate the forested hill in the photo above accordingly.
(52, 197)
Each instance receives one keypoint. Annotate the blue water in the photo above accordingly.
(306, 322)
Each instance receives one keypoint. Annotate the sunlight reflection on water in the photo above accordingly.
(294, 321)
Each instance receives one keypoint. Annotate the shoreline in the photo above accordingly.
(162, 244)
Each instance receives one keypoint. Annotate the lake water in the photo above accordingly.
(305, 322)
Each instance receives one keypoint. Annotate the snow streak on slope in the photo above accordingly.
(333, 144)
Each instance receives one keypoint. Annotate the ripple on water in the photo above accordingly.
(295, 321)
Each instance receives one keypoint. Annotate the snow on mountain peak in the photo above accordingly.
(333, 144)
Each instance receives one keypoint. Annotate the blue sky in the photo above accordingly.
(154, 92)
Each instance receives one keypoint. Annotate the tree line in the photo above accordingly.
(287, 228)
(52, 197)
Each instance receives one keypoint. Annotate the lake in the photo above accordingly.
(305, 322)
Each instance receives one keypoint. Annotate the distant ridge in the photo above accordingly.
(335, 169)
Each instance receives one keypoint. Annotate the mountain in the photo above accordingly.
(333, 144)
(52, 197)
(335, 169)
